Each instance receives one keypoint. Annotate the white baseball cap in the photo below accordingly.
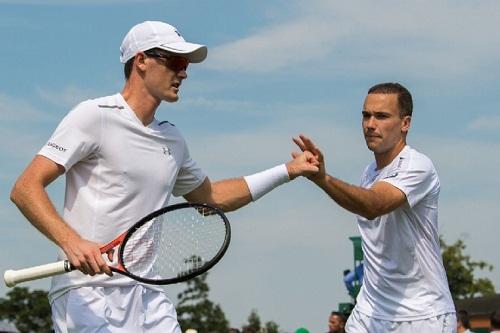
(154, 34)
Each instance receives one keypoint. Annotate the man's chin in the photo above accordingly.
(172, 99)
(371, 146)
(375, 148)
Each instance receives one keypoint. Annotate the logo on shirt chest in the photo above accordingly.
(166, 150)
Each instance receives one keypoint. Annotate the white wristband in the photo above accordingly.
(263, 182)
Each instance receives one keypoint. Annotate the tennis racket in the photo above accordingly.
(170, 245)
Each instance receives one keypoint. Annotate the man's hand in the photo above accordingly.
(303, 164)
(306, 145)
(85, 256)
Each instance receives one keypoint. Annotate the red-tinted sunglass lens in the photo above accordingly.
(177, 63)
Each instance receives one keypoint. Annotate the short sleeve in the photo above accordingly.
(416, 178)
(76, 137)
(190, 176)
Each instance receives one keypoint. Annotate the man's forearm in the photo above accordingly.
(227, 194)
(231, 194)
(353, 198)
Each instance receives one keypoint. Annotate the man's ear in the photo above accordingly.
(140, 61)
(406, 124)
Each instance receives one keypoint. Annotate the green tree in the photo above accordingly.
(460, 272)
(29, 311)
(254, 324)
(195, 310)
(254, 321)
(271, 327)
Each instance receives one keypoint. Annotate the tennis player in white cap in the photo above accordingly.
(121, 163)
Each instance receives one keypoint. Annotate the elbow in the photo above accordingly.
(369, 216)
(15, 193)
(372, 208)
(371, 213)
(21, 190)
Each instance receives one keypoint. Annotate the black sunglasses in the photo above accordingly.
(173, 62)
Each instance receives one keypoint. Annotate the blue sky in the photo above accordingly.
(275, 69)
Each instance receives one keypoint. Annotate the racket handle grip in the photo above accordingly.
(13, 277)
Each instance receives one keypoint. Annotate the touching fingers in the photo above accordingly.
(299, 143)
(308, 143)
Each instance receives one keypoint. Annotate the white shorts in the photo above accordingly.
(360, 323)
(114, 309)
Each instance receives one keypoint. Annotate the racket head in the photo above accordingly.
(174, 244)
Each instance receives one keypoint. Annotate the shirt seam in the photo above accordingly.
(98, 175)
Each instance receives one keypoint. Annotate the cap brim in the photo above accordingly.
(194, 52)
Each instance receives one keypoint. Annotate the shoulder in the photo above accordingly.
(113, 102)
(419, 168)
(91, 109)
(94, 105)
(414, 160)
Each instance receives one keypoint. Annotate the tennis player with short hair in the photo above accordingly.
(121, 164)
(404, 288)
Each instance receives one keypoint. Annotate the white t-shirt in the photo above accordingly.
(404, 278)
(117, 171)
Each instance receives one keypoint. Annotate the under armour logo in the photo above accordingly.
(166, 151)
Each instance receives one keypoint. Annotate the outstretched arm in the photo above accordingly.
(231, 194)
(31, 198)
(380, 199)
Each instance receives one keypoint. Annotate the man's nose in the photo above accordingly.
(183, 74)
(370, 122)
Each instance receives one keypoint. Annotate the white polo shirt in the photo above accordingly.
(404, 278)
(117, 171)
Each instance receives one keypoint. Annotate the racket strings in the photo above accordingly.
(174, 244)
